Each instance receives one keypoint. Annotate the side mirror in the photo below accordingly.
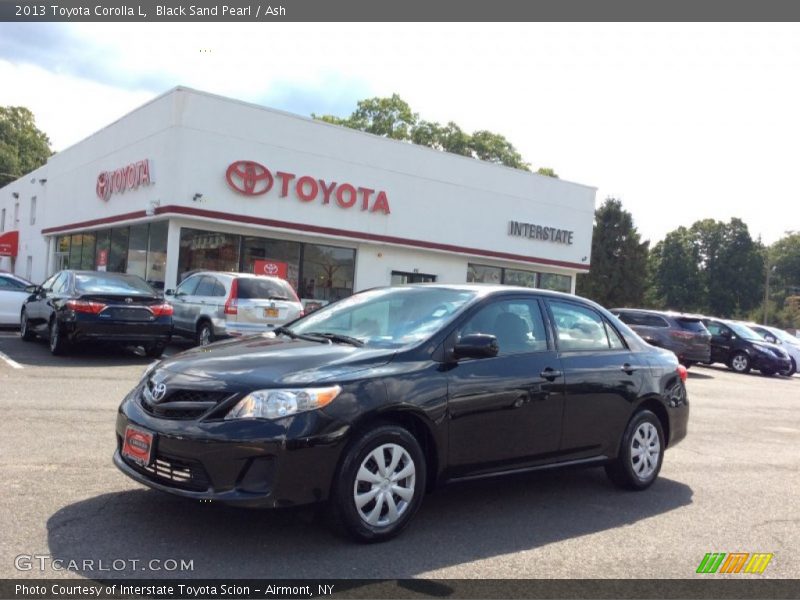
(169, 292)
(32, 289)
(476, 345)
(771, 339)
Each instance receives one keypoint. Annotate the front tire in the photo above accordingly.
(740, 363)
(641, 453)
(25, 332)
(791, 370)
(379, 485)
(155, 350)
(58, 343)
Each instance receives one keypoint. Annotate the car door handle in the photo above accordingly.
(628, 368)
(550, 374)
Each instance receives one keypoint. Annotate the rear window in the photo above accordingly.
(265, 289)
(98, 283)
(692, 325)
(642, 320)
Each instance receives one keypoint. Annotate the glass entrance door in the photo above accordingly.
(401, 277)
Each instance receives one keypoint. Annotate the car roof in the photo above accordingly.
(235, 274)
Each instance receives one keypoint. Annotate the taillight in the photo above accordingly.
(682, 335)
(231, 303)
(682, 373)
(85, 306)
(162, 310)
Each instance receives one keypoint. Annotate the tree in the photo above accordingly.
(23, 147)
(619, 259)
(547, 171)
(675, 276)
(731, 266)
(393, 118)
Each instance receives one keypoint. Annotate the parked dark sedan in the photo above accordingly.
(742, 349)
(683, 334)
(83, 306)
(374, 399)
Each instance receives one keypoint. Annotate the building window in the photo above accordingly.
(328, 272)
(277, 251)
(157, 254)
(118, 252)
(33, 210)
(75, 247)
(553, 281)
(532, 279)
(401, 278)
(484, 274)
(207, 250)
(137, 250)
(520, 278)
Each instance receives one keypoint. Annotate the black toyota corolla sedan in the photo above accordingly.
(374, 399)
(72, 307)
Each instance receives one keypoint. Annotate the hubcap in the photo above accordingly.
(205, 336)
(23, 326)
(739, 362)
(384, 485)
(645, 448)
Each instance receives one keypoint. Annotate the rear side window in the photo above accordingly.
(265, 289)
(642, 320)
(6, 283)
(692, 325)
(581, 328)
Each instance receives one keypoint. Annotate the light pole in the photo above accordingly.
(770, 269)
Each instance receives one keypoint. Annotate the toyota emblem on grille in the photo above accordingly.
(128, 300)
(159, 391)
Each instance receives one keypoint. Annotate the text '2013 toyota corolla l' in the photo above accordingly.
(374, 399)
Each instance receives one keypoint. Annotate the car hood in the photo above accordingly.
(258, 361)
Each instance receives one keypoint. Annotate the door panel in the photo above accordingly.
(602, 380)
(503, 412)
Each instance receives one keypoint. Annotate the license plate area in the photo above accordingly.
(271, 313)
(137, 446)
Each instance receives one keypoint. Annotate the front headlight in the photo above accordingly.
(274, 404)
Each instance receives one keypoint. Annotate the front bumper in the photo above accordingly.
(252, 463)
(769, 362)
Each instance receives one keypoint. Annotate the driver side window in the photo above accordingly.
(188, 287)
(517, 324)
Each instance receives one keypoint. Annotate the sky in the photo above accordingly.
(680, 121)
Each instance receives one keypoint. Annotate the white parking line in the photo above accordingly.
(12, 363)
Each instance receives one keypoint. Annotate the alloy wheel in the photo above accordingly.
(739, 362)
(384, 485)
(645, 449)
(205, 335)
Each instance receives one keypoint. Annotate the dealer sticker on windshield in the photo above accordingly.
(138, 445)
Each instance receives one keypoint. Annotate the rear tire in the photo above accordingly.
(379, 484)
(641, 453)
(25, 332)
(740, 363)
(687, 363)
(58, 343)
(205, 334)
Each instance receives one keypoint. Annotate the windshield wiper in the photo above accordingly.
(338, 338)
(295, 336)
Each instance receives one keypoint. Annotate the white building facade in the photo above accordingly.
(195, 181)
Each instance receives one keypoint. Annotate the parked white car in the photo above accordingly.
(12, 295)
(784, 339)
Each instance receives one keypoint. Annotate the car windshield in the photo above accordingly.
(117, 283)
(388, 317)
(785, 337)
(745, 332)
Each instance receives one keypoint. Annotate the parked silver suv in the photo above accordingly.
(210, 305)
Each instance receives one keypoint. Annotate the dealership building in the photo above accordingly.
(195, 181)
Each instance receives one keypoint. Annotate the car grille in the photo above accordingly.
(182, 473)
(182, 404)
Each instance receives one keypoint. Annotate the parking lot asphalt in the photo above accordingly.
(731, 486)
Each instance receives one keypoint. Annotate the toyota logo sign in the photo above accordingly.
(159, 391)
(270, 269)
(249, 178)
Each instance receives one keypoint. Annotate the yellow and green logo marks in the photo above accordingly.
(734, 562)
